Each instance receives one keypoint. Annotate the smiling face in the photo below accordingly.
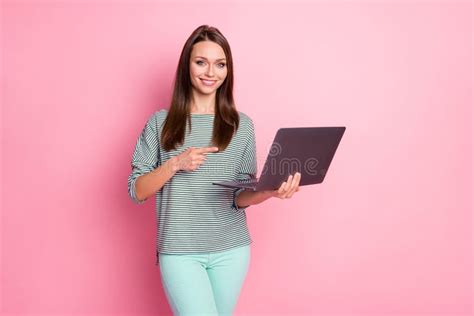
(207, 67)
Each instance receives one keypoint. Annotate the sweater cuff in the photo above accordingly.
(236, 193)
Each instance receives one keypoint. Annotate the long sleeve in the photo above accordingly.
(248, 162)
(146, 156)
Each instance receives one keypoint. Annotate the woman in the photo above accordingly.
(203, 242)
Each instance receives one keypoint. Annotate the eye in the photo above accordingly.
(221, 65)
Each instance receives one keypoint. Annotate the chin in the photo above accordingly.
(207, 91)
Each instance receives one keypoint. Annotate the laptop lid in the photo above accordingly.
(308, 150)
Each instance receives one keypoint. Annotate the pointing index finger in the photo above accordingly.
(206, 150)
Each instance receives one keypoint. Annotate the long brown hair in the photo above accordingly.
(226, 119)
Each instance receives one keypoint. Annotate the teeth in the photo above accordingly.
(208, 82)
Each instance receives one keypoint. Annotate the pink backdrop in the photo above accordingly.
(388, 232)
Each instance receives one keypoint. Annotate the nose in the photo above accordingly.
(209, 71)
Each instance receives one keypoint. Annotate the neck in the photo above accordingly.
(203, 103)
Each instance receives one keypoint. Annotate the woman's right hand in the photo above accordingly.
(192, 158)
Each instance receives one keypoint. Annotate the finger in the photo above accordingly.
(281, 189)
(292, 189)
(296, 179)
(200, 160)
(196, 164)
(294, 184)
(200, 157)
(288, 183)
(287, 187)
(299, 181)
(206, 150)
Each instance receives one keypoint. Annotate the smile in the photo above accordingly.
(208, 82)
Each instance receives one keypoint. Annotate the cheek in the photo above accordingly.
(194, 71)
(223, 73)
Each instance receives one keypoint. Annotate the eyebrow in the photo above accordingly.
(206, 58)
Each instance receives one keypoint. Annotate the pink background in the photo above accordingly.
(389, 230)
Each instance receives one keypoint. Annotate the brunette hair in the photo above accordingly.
(226, 119)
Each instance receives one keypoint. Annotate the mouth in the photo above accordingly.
(208, 82)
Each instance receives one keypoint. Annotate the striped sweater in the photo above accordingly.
(193, 215)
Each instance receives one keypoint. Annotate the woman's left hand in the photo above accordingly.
(287, 188)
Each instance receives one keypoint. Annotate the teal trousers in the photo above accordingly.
(204, 284)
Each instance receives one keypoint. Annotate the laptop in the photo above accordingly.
(307, 150)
